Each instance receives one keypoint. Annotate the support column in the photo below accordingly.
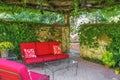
(67, 23)
(67, 19)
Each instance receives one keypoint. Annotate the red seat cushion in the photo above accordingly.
(52, 47)
(15, 67)
(33, 60)
(23, 73)
(43, 48)
(27, 46)
(49, 57)
(7, 75)
(62, 56)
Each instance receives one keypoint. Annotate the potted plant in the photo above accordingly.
(4, 47)
(117, 70)
(108, 60)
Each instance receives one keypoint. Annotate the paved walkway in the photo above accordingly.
(86, 71)
(75, 45)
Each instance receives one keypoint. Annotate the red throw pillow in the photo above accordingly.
(29, 53)
(57, 49)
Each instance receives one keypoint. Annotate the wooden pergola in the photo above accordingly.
(61, 6)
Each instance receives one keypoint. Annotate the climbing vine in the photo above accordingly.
(88, 35)
(109, 35)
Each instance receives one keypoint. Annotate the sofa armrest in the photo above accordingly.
(37, 76)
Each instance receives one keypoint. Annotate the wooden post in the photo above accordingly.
(67, 23)
(67, 19)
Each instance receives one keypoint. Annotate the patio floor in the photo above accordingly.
(86, 71)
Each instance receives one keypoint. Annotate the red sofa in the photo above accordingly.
(41, 52)
(11, 70)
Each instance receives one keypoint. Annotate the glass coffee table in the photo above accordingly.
(58, 65)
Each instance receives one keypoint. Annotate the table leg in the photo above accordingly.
(68, 64)
(76, 68)
(52, 75)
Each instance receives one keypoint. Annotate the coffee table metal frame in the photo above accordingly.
(57, 65)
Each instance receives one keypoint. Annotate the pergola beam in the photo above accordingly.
(61, 6)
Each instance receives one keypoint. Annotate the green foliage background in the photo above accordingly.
(18, 32)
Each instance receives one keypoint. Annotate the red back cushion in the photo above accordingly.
(43, 48)
(29, 53)
(55, 47)
(27, 47)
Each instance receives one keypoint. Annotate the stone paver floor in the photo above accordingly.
(86, 71)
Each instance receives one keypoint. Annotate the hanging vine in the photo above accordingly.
(40, 5)
(25, 1)
(76, 6)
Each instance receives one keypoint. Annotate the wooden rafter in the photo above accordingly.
(64, 6)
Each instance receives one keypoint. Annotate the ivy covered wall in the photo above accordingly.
(96, 39)
(18, 32)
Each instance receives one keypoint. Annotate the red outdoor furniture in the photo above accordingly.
(35, 52)
(11, 70)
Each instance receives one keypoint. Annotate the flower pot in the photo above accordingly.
(116, 72)
(4, 53)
